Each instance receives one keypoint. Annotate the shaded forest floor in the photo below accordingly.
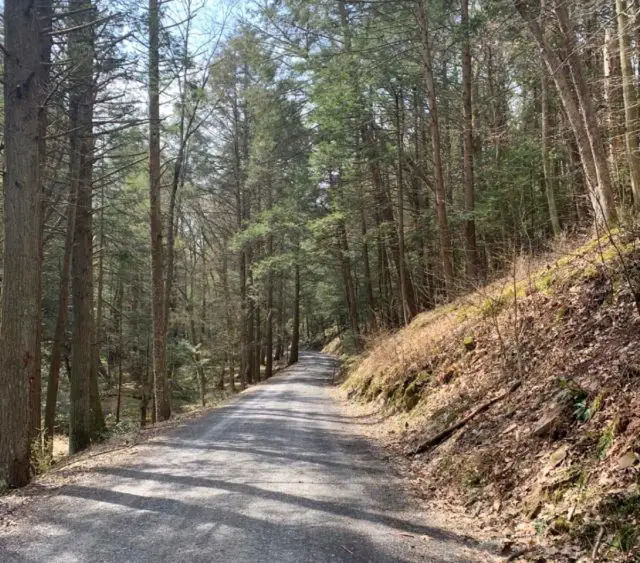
(552, 468)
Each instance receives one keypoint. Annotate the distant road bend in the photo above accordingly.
(277, 475)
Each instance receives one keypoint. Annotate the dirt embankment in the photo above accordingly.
(520, 404)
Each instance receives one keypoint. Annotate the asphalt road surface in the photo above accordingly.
(277, 475)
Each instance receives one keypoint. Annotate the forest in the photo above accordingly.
(194, 191)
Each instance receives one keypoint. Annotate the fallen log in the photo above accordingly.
(444, 434)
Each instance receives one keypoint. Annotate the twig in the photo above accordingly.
(596, 546)
(442, 436)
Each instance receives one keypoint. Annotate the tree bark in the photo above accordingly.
(604, 206)
(349, 287)
(614, 103)
(98, 424)
(295, 332)
(630, 98)
(83, 410)
(469, 182)
(61, 323)
(98, 336)
(242, 215)
(446, 256)
(578, 114)
(230, 356)
(119, 298)
(250, 318)
(270, 280)
(44, 11)
(23, 84)
(406, 293)
(161, 384)
(549, 184)
(280, 328)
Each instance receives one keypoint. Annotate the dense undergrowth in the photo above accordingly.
(556, 462)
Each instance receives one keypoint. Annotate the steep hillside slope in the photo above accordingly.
(520, 403)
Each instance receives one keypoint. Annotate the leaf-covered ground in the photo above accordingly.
(554, 468)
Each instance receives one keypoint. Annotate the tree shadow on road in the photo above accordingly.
(149, 528)
(328, 507)
(201, 528)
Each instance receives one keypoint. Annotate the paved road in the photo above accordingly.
(277, 475)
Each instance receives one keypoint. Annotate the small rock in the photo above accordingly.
(548, 423)
(627, 460)
(533, 503)
(558, 456)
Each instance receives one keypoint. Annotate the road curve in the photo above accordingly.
(277, 475)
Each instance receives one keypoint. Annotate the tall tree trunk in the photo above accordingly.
(565, 80)
(242, 215)
(549, 183)
(100, 289)
(280, 327)
(295, 332)
(244, 318)
(196, 341)
(604, 207)
(98, 423)
(250, 319)
(61, 323)
(257, 356)
(161, 384)
(268, 372)
(471, 261)
(630, 98)
(23, 86)
(140, 347)
(385, 221)
(45, 19)
(406, 289)
(354, 82)
(446, 256)
(257, 315)
(229, 352)
(420, 203)
(614, 104)
(177, 183)
(351, 299)
(368, 284)
(119, 299)
(81, 55)
(547, 169)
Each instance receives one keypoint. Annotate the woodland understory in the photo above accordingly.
(194, 191)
